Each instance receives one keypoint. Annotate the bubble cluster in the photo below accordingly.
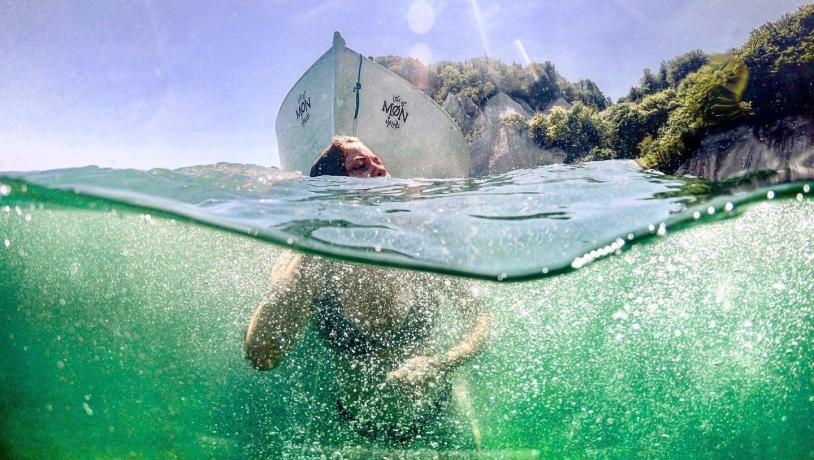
(604, 251)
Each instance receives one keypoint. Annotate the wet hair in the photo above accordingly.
(331, 161)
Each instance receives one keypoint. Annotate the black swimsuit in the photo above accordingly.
(341, 335)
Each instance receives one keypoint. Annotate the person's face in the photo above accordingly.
(360, 161)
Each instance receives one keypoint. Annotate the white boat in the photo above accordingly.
(344, 93)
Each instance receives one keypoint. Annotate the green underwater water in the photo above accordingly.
(123, 330)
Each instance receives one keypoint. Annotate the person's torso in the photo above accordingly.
(365, 311)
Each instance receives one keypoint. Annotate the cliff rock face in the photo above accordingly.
(465, 112)
(787, 147)
(559, 102)
(498, 135)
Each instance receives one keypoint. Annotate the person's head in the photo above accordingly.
(348, 156)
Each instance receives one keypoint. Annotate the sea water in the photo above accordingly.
(649, 316)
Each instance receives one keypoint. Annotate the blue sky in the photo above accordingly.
(147, 84)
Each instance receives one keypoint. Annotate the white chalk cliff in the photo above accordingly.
(498, 141)
(786, 146)
(498, 135)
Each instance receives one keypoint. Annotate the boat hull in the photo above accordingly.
(407, 129)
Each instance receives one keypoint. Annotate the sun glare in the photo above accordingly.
(421, 17)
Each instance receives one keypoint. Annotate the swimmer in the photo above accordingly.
(393, 373)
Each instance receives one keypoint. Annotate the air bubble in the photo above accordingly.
(729, 206)
(630, 236)
(502, 276)
(377, 248)
(579, 262)
(799, 197)
(662, 230)
(87, 408)
(770, 195)
(290, 241)
(651, 227)
(696, 215)
(545, 270)
(710, 210)
(7, 243)
(806, 188)
(5, 189)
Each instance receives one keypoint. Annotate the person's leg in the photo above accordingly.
(463, 406)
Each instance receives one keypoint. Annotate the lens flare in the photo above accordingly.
(522, 50)
(479, 22)
(422, 52)
(525, 55)
(421, 17)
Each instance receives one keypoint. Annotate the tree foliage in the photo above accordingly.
(587, 92)
(707, 99)
(537, 84)
(669, 75)
(780, 58)
(576, 130)
(662, 120)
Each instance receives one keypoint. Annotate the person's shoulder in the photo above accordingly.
(289, 262)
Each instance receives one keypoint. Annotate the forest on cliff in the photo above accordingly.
(663, 119)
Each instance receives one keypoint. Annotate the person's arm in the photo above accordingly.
(283, 313)
(473, 311)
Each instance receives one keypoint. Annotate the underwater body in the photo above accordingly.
(634, 314)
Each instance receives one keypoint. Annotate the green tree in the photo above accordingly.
(656, 108)
(625, 129)
(706, 100)
(587, 92)
(678, 68)
(544, 87)
(780, 58)
(576, 130)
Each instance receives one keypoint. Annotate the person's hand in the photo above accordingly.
(417, 371)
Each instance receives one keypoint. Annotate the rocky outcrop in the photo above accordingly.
(498, 135)
(465, 112)
(786, 147)
(498, 141)
(559, 102)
